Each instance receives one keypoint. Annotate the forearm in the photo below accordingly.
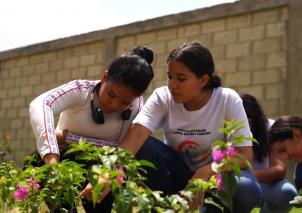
(51, 158)
(269, 175)
(135, 138)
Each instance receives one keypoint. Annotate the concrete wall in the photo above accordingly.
(256, 44)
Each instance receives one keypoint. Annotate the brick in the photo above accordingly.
(35, 59)
(96, 47)
(158, 47)
(251, 62)
(284, 14)
(16, 124)
(8, 64)
(145, 38)
(277, 59)
(4, 74)
(238, 79)
(80, 50)
(87, 60)
(276, 29)
(42, 68)
(225, 37)
(124, 43)
(218, 52)
(49, 77)
(266, 76)
(56, 65)
(11, 113)
(204, 39)
(13, 92)
(23, 112)
(100, 58)
(283, 72)
(22, 81)
(227, 65)
(63, 75)
(264, 17)
(9, 83)
(24, 61)
(18, 102)
(167, 34)
(267, 46)
(213, 26)
(271, 107)
(256, 91)
(275, 91)
(252, 33)
(22, 134)
(6, 104)
(72, 62)
(238, 49)
(15, 72)
(50, 56)
(78, 73)
(237, 22)
(64, 53)
(2, 114)
(38, 89)
(3, 94)
(28, 70)
(174, 43)
(189, 30)
(94, 71)
(26, 91)
(34, 80)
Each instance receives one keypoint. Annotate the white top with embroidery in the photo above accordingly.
(191, 132)
(72, 102)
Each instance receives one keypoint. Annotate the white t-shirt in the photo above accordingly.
(72, 102)
(191, 133)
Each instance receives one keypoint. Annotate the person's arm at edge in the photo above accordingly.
(275, 172)
(135, 138)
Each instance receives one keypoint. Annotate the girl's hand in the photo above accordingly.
(87, 192)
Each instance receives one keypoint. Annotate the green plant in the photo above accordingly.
(4, 146)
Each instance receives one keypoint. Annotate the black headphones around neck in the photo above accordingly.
(98, 115)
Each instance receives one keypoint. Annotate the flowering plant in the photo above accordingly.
(225, 162)
(5, 146)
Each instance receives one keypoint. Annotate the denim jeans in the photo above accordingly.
(298, 176)
(172, 175)
(276, 197)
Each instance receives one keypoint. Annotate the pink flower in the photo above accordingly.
(21, 193)
(121, 177)
(231, 151)
(30, 180)
(217, 155)
(8, 138)
(219, 182)
(36, 186)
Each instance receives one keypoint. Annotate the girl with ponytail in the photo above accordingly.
(189, 111)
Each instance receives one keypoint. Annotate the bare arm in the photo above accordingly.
(275, 172)
(135, 138)
(206, 171)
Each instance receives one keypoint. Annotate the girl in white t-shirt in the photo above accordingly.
(100, 112)
(190, 110)
(269, 168)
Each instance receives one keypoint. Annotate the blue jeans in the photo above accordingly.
(298, 176)
(172, 175)
(276, 197)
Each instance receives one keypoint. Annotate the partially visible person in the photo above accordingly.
(269, 169)
(99, 111)
(286, 137)
(190, 110)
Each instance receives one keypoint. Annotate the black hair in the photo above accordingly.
(198, 59)
(259, 125)
(282, 129)
(133, 69)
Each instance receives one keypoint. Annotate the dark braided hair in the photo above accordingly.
(259, 123)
